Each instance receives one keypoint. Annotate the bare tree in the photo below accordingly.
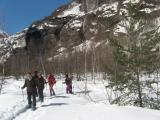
(3, 61)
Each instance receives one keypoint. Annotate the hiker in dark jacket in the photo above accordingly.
(41, 84)
(68, 82)
(36, 78)
(31, 85)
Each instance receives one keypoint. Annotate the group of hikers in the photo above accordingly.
(35, 84)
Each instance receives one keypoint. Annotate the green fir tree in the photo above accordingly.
(135, 54)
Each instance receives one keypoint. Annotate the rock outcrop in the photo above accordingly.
(71, 29)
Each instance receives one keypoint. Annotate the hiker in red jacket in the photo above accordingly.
(51, 82)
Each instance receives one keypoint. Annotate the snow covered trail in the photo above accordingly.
(12, 101)
(71, 107)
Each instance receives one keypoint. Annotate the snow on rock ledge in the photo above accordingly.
(108, 10)
(73, 10)
(7, 45)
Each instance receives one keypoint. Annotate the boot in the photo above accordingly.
(34, 108)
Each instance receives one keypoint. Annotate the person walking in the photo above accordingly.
(41, 84)
(68, 83)
(71, 84)
(36, 79)
(31, 85)
(51, 82)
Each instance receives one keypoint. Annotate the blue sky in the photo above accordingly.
(15, 15)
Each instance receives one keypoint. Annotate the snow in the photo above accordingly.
(76, 23)
(50, 59)
(84, 46)
(98, 44)
(149, 10)
(94, 23)
(3, 33)
(7, 45)
(61, 49)
(33, 25)
(74, 10)
(11, 101)
(18, 39)
(93, 106)
(108, 10)
(59, 55)
(158, 24)
(93, 31)
(40, 27)
(45, 24)
(146, 10)
(49, 25)
(87, 45)
(132, 1)
(120, 28)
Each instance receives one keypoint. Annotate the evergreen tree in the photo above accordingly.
(135, 54)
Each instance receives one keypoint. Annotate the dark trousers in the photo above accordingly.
(40, 93)
(51, 90)
(69, 88)
(31, 99)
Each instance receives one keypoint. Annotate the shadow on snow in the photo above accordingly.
(83, 92)
(54, 104)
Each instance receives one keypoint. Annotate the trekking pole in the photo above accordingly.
(46, 90)
(72, 88)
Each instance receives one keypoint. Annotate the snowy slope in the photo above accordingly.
(68, 107)
(8, 44)
(3, 34)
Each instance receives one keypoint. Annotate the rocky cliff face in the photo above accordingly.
(71, 30)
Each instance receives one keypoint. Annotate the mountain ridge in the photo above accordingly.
(63, 32)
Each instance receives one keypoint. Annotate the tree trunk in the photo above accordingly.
(42, 65)
(139, 91)
(93, 64)
(3, 78)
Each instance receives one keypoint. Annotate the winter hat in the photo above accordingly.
(36, 72)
